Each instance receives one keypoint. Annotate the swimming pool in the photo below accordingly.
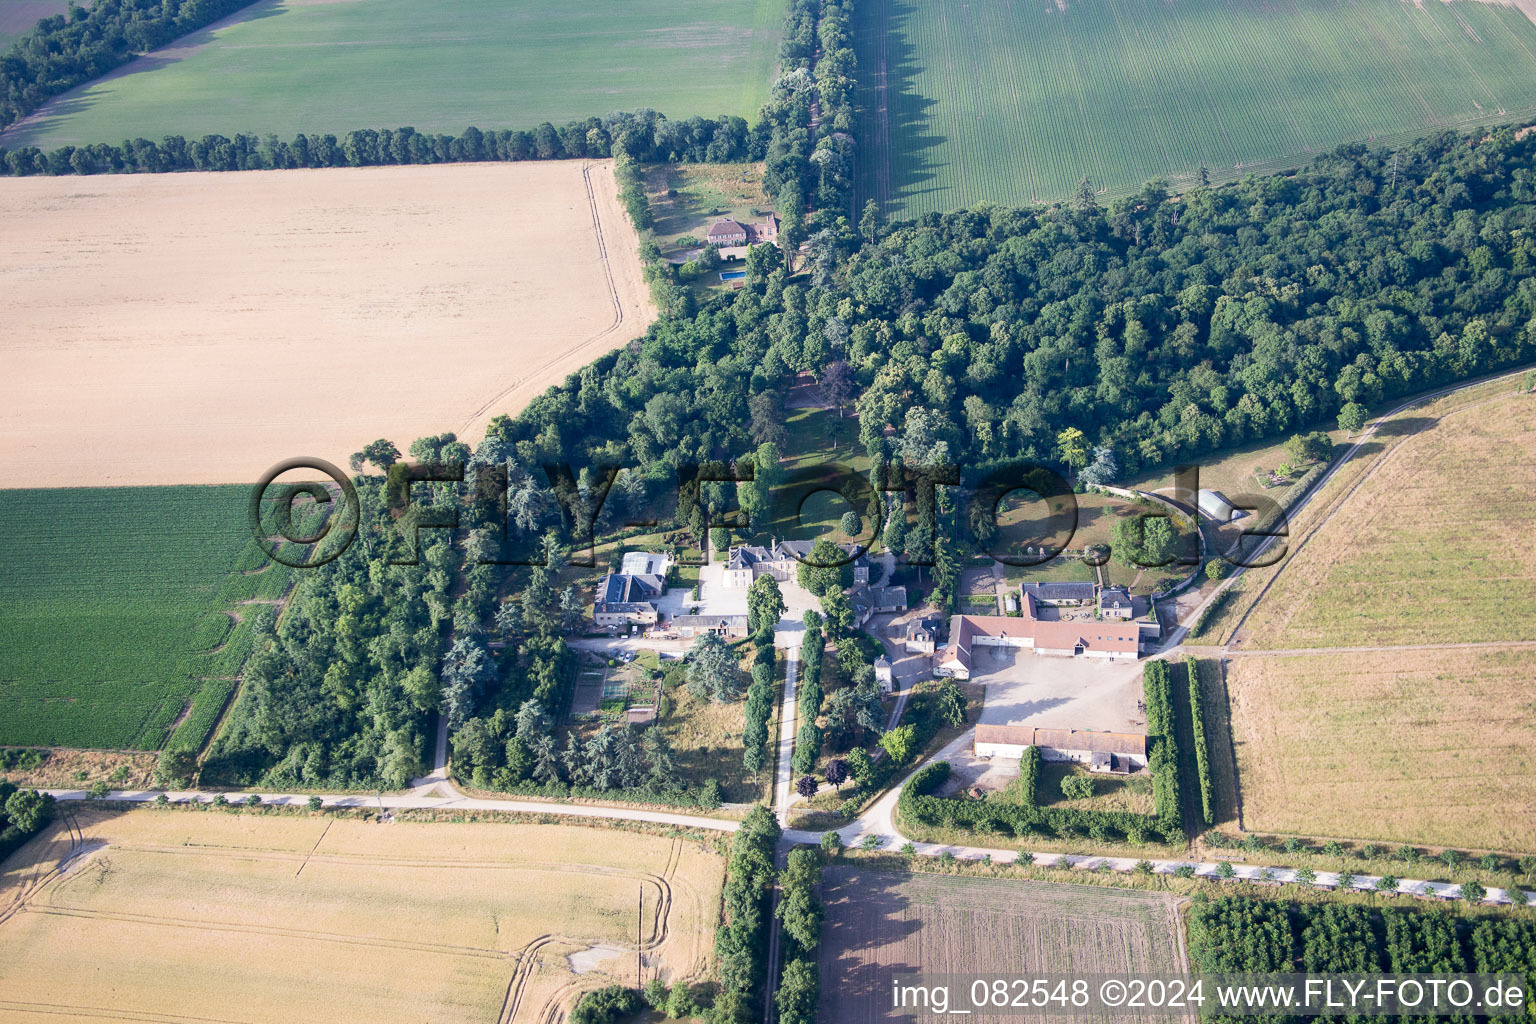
(732, 275)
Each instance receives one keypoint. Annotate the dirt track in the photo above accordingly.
(198, 328)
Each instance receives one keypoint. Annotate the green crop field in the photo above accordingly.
(286, 66)
(112, 609)
(964, 101)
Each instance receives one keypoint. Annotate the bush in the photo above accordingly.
(1029, 776)
(831, 843)
(1077, 787)
(315, 803)
(607, 1005)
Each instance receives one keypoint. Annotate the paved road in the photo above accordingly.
(787, 709)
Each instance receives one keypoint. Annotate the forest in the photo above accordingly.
(1237, 933)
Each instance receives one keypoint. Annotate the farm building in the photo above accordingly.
(1047, 629)
(884, 675)
(726, 232)
(623, 599)
(731, 627)
(645, 563)
(1214, 505)
(922, 636)
(870, 601)
(1117, 752)
(1115, 603)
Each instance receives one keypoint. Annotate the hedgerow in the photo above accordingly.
(917, 804)
(1163, 750)
(1202, 747)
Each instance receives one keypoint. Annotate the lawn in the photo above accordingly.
(114, 603)
(445, 921)
(988, 100)
(287, 66)
(1025, 521)
(1429, 748)
(686, 199)
(883, 925)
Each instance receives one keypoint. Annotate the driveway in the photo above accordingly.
(1024, 688)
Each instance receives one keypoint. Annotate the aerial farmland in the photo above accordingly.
(402, 921)
(986, 100)
(288, 66)
(223, 302)
(880, 925)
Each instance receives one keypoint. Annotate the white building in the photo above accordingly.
(883, 674)
(1214, 505)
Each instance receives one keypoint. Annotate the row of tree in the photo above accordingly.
(1162, 743)
(800, 913)
(63, 50)
(645, 136)
(759, 707)
(741, 941)
(808, 738)
(1202, 745)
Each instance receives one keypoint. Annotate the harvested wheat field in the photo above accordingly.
(1434, 546)
(181, 915)
(1431, 746)
(883, 925)
(199, 328)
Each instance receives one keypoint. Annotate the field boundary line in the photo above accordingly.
(1339, 502)
(613, 296)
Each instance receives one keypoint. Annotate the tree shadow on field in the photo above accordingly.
(56, 112)
(864, 942)
(899, 153)
(1403, 426)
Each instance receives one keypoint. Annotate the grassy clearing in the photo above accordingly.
(1432, 748)
(113, 603)
(444, 919)
(1225, 618)
(1015, 103)
(287, 66)
(1029, 522)
(1433, 547)
(879, 922)
(685, 199)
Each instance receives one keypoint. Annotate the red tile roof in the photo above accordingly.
(1064, 739)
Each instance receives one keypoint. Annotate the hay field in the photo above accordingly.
(879, 925)
(199, 328)
(1434, 547)
(214, 916)
(1014, 103)
(1417, 747)
(287, 66)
